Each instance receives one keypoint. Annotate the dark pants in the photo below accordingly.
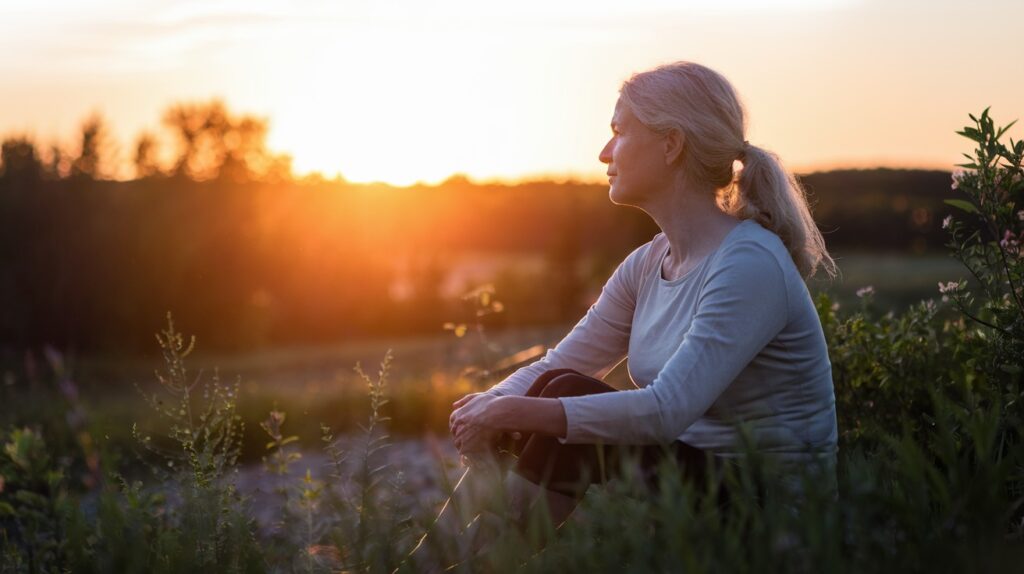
(570, 468)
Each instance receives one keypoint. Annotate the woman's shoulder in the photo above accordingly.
(752, 253)
(642, 257)
(750, 239)
(640, 263)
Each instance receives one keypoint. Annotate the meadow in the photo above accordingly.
(431, 370)
(334, 457)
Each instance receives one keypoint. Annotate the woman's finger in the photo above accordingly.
(465, 399)
(456, 414)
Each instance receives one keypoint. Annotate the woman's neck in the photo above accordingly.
(693, 224)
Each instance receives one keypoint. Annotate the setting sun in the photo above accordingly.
(405, 91)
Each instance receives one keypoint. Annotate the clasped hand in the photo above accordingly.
(472, 424)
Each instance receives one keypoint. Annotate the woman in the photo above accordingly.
(713, 314)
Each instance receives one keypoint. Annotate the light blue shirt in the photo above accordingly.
(736, 340)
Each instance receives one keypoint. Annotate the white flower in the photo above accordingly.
(947, 221)
(865, 291)
(958, 176)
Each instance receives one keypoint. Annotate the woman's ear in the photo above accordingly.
(674, 142)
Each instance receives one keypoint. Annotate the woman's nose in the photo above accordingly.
(606, 153)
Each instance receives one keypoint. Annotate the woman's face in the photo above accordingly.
(635, 155)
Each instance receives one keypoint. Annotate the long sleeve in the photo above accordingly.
(742, 306)
(600, 340)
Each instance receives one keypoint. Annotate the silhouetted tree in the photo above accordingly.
(19, 162)
(213, 144)
(57, 164)
(93, 157)
(145, 160)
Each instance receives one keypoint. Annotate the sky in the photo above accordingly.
(411, 90)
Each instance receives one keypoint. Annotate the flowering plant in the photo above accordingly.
(987, 240)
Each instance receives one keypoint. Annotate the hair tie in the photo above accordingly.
(743, 151)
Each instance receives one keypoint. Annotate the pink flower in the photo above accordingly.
(949, 287)
(865, 291)
(947, 221)
(1009, 241)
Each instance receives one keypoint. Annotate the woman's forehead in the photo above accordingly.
(622, 113)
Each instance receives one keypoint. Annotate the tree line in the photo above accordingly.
(223, 235)
(206, 142)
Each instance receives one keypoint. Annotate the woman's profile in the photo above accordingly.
(713, 314)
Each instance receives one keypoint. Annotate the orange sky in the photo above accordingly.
(405, 90)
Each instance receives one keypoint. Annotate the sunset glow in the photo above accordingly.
(405, 91)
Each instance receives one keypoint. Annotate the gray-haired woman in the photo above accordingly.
(712, 314)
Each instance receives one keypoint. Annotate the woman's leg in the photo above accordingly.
(551, 471)
(544, 460)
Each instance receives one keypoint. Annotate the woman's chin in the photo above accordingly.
(617, 196)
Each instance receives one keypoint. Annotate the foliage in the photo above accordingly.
(215, 144)
(989, 243)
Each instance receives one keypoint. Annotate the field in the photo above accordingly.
(330, 470)
(318, 382)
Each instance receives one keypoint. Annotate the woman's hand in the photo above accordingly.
(455, 408)
(472, 423)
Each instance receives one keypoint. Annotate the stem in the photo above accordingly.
(1009, 279)
(980, 320)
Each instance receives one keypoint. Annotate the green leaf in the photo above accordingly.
(1003, 129)
(961, 204)
(972, 134)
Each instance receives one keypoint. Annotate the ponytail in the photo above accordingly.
(769, 194)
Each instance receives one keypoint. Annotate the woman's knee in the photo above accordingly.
(546, 377)
(574, 385)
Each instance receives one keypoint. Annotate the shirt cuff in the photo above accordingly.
(571, 416)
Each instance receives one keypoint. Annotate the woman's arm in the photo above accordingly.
(600, 340)
(476, 422)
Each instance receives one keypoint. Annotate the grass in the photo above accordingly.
(899, 280)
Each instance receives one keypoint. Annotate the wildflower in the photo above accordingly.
(947, 221)
(1009, 241)
(865, 291)
(958, 177)
(949, 287)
